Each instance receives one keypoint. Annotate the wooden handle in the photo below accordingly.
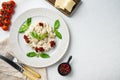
(30, 76)
(32, 71)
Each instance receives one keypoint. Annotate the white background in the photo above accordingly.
(95, 39)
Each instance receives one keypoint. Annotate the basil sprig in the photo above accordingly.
(43, 36)
(34, 54)
(56, 24)
(25, 26)
(28, 22)
(31, 54)
(56, 27)
(37, 36)
(44, 55)
(58, 34)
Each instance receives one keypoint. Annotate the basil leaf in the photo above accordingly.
(25, 26)
(43, 36)
(56, 24)
(58, 34)
(34, 54)
(44, 55)
(28, 22)
(35, 35)
(31, 54)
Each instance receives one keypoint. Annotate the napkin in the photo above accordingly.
(9, 73)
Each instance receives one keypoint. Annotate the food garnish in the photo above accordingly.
(58, 34)
(56, 27)
(37, 36)
(31, 54)
(44, 55)
(56, 24)
(34, 54)
(25, 26)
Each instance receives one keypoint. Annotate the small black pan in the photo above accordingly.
(65, 68)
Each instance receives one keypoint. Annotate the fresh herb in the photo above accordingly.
(43, 36)
(25, 26)
(44, 55)
(34, 54)
(56, 27)
(56, 24)
(58, 34)
(28, 22)
(31, 54)
(35, 35)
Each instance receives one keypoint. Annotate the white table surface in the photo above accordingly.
(95, 39)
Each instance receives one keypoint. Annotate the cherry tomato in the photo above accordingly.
(40, 49)
(1, 23)
(6, 15)
(5, 28)
(1, 18)
(2, 11)
(52, 43)
(9, 10)
(12, 4)
(4, 5)
(26, 39)
(6, 21)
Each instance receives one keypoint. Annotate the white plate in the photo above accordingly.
(20, 48)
